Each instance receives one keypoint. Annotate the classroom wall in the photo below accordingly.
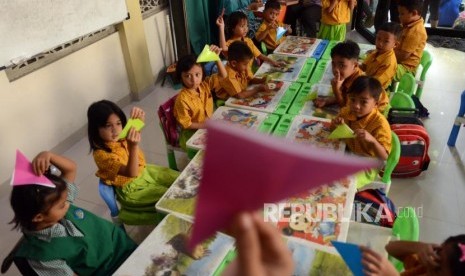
(43, 109)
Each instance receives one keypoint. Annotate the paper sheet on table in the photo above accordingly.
(260, 169)
(138, 124)
(280, 32)
(207, 55)
(342, 131)
(352, 256)
(24, 174)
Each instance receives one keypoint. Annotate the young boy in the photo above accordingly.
(235, 84)
(372, 130)
(413, 39)
(267, 32)
(335, 14)
(344, 62)
(381, 63)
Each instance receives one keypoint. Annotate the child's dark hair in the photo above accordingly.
(363, 83)
(97, 117)
(454, 253)
(185, 64)
(411, 5)
(234, 19)
(272, 4)
(391, 27)
(239, 51)
(347, 49)
(27, 201)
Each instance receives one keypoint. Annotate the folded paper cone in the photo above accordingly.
(207, 55)
(341, 132)
(280, 32)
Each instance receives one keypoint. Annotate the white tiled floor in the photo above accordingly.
(439, 191)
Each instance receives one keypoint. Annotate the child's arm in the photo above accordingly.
(270, 61)
(364, 135)
(324, 101)
(264, 29)
(222, 37)
(221, 70)
(336, 121)
(196, 125)
(426, 252)
(401, 55)
(132, 168)
(252, 91)
(42, 161)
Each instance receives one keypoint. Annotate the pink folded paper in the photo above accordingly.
(24, 174)
(244, 169)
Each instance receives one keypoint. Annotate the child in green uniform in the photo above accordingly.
(60, 238)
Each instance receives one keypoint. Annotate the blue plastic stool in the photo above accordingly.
(458, 122)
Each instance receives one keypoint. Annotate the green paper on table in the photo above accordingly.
(207, 55)
(138, 124)
(341, 132)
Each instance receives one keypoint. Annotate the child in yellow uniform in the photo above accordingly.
(235, 84)
(344, 62)
(237, 31)
(194, 104)
(381, 63)
(335, 14)
(267, 32)
(413, 39)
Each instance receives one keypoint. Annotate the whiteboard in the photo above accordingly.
(30, 27)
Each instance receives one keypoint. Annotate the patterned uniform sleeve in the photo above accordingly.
(383, 134)
(260, 29)
(108, 164)
(182, 112)
(51, 268)
(72, 192)
(231, 86)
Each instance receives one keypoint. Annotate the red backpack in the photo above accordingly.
(414, 142)
(168, 122)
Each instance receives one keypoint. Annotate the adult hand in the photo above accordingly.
(375, 264)
(254, 6)
(261, 250)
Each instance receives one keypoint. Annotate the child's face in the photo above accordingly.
(192, 78)
(240, 66)
(241, 28)
(344, 66)
(361, 104)
(271, 15)
(55, 213)
(406, 17)
(385, 41)
(112, 129)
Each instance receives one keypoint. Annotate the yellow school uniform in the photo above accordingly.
(375, 123)
(339, 15)
(256, 53)
(233, 84)
(193, 106)
(348, 82)
(271, 33)
(381, 66)
(413, 41)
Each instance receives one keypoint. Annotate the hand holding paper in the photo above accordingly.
(282, 163)
(280, 32)
(138, 124)
(208, 54)
(352, 256)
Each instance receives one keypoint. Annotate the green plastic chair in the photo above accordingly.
(426, 61)
(391, 161)
(401, 100)
(407, 84)
(406, 227)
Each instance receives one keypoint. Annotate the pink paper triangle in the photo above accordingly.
(243, 170)
(24, 174)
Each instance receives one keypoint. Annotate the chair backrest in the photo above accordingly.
(407, 84)
(21, 263)
(107, 193)
(392, 159)
(406, 228)
(402, 100)
(168, 122)
(426, 61)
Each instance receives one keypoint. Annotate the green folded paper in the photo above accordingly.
(138, 124)
(207, 55)
(311, 96)
(341, 132)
